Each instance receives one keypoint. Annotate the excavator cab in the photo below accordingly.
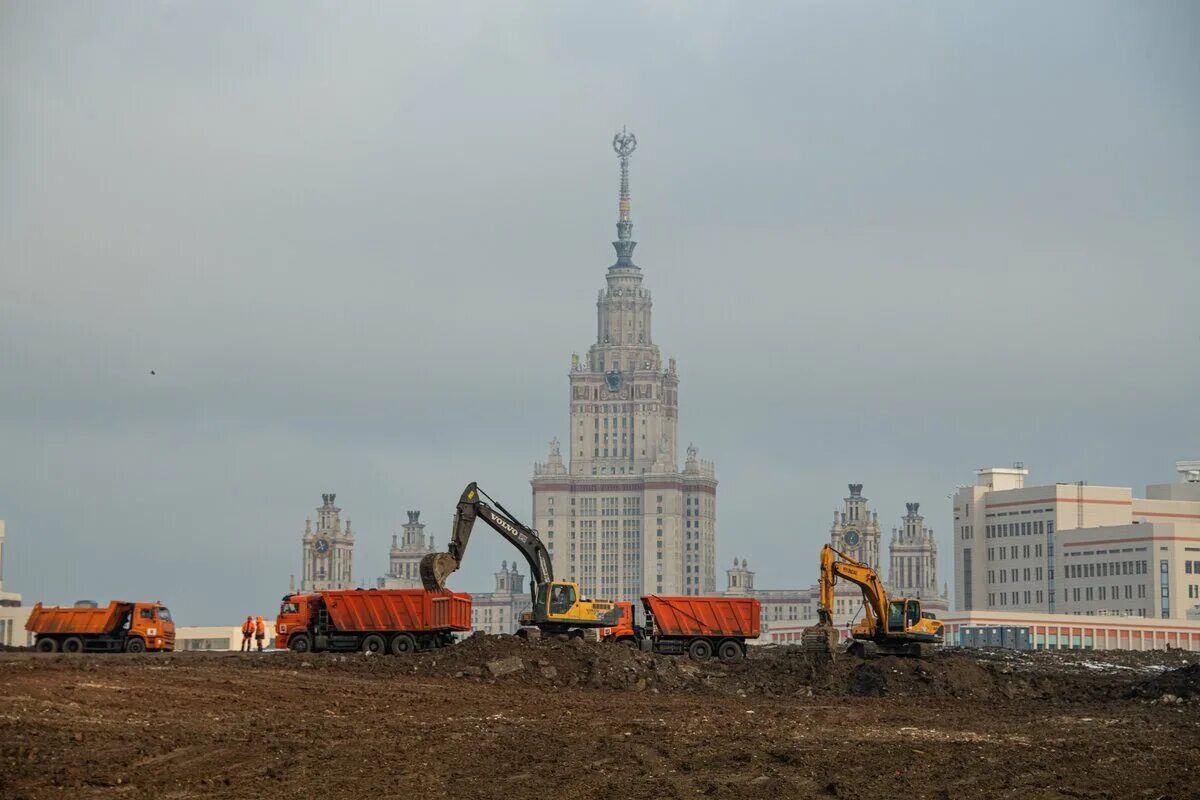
(562, 598)
(559, 605)
(903, 615)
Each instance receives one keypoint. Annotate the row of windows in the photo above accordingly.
(1015, 551)
(1090, 593)
(1028, 528)
(1106, 568)
(1010, 575)
(1031, 596)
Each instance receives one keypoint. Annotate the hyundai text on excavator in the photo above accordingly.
(890, 625)
(558, 606)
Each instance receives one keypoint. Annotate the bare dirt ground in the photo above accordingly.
(500, 717)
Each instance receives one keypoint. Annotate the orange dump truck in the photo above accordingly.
(121, 627)
(699, 626)
(373, 620)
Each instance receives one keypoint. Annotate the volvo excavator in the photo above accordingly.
(890, 625)
(558, 606)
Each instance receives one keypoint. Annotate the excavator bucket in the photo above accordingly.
(820, 639)
(435, 568)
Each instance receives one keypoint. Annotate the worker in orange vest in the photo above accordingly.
(260, 632)
(247, 632)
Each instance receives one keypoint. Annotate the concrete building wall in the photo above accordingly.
(1052, 631)
(218, 638)
(1069, 547)
(1084, 632)
(12, 626)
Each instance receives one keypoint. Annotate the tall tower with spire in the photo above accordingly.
(621, 518)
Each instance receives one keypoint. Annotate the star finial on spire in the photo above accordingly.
(624, 143)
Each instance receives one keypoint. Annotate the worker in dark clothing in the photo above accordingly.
(247, 632)
(260, 632)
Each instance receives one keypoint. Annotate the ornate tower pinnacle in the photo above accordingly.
(624, 143)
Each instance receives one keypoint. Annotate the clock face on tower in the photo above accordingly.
(322, 546)
(851, 538)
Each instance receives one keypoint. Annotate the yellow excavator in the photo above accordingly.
(558, 606)
(890, 626)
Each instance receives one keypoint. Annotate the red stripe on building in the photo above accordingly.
(1061, 500)
(1137, 513)
(1122, 541)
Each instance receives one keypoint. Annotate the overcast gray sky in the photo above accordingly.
(887, 244)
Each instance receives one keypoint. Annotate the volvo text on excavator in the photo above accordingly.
(558, 606)
(890, 625)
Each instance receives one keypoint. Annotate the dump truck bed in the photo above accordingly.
(413, 610)
(704, 616)
(78, 621)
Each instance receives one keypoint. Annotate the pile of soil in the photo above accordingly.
(553, 663)
(486, 719)
(1172, 687)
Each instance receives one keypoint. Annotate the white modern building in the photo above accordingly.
(12, 614)
(217, 638)
(1076, 548)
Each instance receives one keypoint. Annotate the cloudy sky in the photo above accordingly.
(359, 244)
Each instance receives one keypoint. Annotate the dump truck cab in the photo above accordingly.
(153, 624)
(295, 613)
(624, 630)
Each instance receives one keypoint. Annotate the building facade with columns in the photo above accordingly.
(618, 515)
(328, 550)
(404, 559)
(500, 611)
(913, 554)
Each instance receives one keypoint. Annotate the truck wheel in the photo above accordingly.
(46, 645)
(403, 644)
(373, 644)
(730, 652)
(72, 645)
(134, 645)
(300, 643)
(700, 650)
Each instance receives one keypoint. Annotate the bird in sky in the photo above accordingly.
(152, 372)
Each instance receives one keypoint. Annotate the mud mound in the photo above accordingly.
(779, 672)
(1172, 687)
(791, 671)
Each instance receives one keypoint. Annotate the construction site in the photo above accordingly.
(500, 716)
